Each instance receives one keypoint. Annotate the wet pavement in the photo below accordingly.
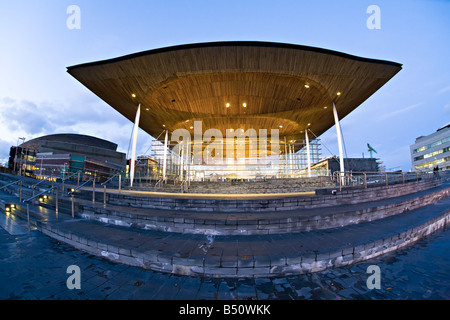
(34, 266)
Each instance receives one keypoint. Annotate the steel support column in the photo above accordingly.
(339, 137)
(133, 150)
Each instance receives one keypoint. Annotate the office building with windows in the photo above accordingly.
(432, 150)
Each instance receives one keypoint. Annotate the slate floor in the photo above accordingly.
(33, 266)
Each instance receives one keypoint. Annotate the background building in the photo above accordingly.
(331, 165)
(432, 150)
(61, 154)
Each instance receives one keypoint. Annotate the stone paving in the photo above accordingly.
(33, 266)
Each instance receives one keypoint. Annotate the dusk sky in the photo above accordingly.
(38, 97)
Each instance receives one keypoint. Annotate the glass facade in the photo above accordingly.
(286, 159)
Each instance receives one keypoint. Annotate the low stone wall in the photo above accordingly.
(258, 187)
(255, 224)
(270, 204)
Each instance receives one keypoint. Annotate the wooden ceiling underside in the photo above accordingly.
(197, 82)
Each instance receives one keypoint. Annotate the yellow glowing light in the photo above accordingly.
(228, 105)
(307, 86)
(281, 126)
(309, 124)
(339, 93)
(133, 95)
(244, 105)
(192, 127)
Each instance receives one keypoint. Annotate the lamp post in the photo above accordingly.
(15, 160)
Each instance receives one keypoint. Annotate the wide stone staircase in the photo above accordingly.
(231, 235)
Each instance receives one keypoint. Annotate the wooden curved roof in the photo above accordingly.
(197, 81)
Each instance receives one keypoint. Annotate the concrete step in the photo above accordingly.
(260, 223)
(250, 256)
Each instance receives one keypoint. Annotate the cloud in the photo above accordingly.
(400, 111)
(34, 119)
(4, 152)
(447, 108)
(443, 90)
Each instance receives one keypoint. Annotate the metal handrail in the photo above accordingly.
(184, 184)
(109, 179)
(159, 182)
(35, 196)
(39, 194)
(81, 185)
(36, 184)
(72, 175)
(76, 173)
(341, 177)
(10, 184)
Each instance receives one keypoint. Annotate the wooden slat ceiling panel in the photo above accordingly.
(196, 82)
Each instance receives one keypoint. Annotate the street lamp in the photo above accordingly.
(15, 157)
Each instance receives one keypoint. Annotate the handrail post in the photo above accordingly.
(386, 178)
(28, 215)
(403, 177)
(78, 178)
(120, 182)
(340, 182)
(20, 191)
(365, 180)
(57, 201)
(93, 191)
(104, 195)
(33, 190)
(73, 206)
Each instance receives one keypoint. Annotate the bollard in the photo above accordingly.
(73, 206)
(365, 180)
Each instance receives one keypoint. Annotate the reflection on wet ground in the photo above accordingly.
(33, 266)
